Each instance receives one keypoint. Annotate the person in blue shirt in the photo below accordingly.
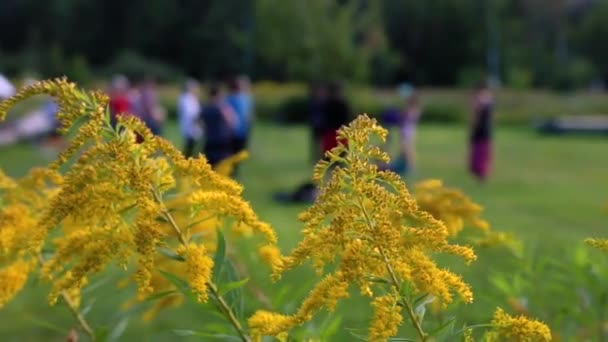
(241, 102)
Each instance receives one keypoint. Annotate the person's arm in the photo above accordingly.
(229, 115)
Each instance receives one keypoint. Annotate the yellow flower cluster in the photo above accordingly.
(451, 206)
(601, 244)
(113, 198)
(367, 226)
(21, 204)
(387, 317)
(520, 328)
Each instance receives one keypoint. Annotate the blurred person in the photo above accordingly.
(148, 107)
(408, 121)
(6, 88)
(188, 113)
(119, 97)
(480, 153)
(337, 113)
(240, 101)
(219, 124)
(316, 119)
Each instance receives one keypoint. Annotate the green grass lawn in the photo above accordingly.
(548, 191)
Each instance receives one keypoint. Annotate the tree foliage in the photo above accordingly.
(438, 42)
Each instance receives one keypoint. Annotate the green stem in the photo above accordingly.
(408, 306)
(213, 289)
(74, 310)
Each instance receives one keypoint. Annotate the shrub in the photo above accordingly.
(443, 113)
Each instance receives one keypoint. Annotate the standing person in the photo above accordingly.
(219, 123)
(407, 126)
(337, 113)
(481, 132)
(241, 102)
(6, 88)
(119, 99)
(316, 119)
(149, 107)
(188, 113)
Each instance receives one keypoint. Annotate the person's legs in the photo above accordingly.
(480, 158)
(238, 144)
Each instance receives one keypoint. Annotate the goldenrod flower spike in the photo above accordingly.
(451, 206)
(601, 244)
(520, 328)
(366, 224)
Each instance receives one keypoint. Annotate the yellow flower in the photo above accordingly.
(601, 244)
(387, 318)
(264, 323)
(198, 268)
(367, 226)
(12, 279)
(5, 181)
(518, 328)
(226, 166)
(449, 205)
(468, 335)
(118, 194)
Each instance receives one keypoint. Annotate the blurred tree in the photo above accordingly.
(318, 38)
(436, 42)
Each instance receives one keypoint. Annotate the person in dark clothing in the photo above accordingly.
(219, 122)
(337, 113)
(316, 119)
(481, 133)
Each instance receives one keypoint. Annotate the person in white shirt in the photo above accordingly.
(188, 113)
(6, 88)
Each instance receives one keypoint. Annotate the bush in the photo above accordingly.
(443, 113)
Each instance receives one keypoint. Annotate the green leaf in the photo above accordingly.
(377, 280)
(118, 330)
(170, 254)
(160, 295)
(444, 331)
(219, 257)
(161, 219)
(181, 284)
(87, 308)
(499, 281)
(235, 297)
(355, 333)
(330, 329)
(101, 333)
(184, 332)
(420, 309)
(227, 287)
(46, 324)
(207, 336)
(405, 289)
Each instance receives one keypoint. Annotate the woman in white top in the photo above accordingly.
(188, 112)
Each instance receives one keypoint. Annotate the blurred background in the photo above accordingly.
(506, 99)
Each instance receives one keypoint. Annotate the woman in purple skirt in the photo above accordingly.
(481, 133)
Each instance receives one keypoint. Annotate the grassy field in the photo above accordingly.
(548, 191)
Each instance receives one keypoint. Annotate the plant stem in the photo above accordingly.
(79, 317)
(405, 302)
(227, 311)
(74, 310)
(213, 289)
(396, 283)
